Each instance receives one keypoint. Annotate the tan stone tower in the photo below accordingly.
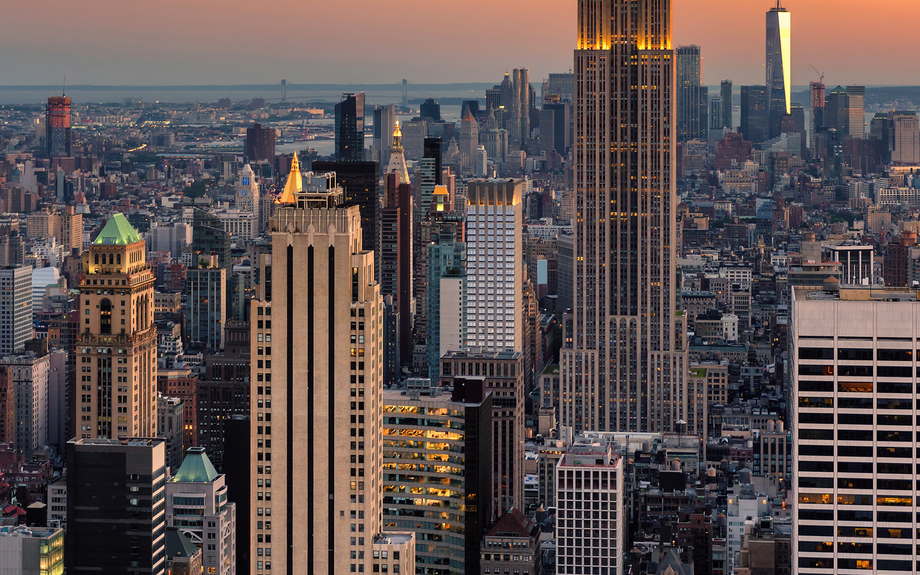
(624, 361)
(116, 350)
(317, 370)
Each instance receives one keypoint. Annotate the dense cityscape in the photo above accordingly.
(614, 321)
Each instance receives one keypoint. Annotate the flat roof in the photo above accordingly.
(857, 293)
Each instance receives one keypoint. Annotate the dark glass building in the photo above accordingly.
(260, 144)
(349, 128)
(430, 109)
(359, 180)
(755, 114)
(727, 104)
(116, 509)
(208, 236)
(688, 93)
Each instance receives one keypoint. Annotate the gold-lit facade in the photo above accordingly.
(116, 349)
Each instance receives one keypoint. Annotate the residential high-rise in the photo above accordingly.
(260, 144)
(28, 375)
(623, 367)
(446, 520)
(727, 104)
(856, 111)
(16, 309)
(779, 66)
(349, 128)
(196, 504)
(906, 136)
(116, 516)
(384, 126)
(688, 92)
(853, 374)
(116, 351)
(57, 127)
(317, 399)
(495, 277)
(755, 118)
(209, 237)
(590, 518)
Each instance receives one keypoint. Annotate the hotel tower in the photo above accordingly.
(624, 354)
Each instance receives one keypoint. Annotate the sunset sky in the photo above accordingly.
(364, 41)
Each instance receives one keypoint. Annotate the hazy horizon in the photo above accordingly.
(181, 43)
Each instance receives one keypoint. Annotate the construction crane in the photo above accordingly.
(818, 72)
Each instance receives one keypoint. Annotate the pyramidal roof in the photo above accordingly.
(294, 183)
(117, 232)
(468, 117)
(195, 468)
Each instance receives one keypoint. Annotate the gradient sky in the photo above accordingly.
(372, 41)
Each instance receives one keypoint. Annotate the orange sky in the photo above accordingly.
(354, 41)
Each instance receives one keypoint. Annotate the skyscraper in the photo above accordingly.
(519, 128)
(57, 127)
(622, 370)
(727, 104)
(248, 197)
(117, 347)
(396, 274)
(836, 111)
(469, 141)
(715, 113)
(315, 412)
(853, 358)
(816, 90)
(260, 144)
(397, 161)
(384, 126)
(755, 117)
(906, 136)
(495, 278)
(349, 128)
(688, 93)
(779, 66)
(115, 513)
(15, 308)
(856, 111)
(361, 183)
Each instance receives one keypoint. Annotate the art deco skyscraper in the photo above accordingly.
(116, 350)
(316, 400)
(779, 66)
(623, 367)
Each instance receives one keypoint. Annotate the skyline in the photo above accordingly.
(44, 46)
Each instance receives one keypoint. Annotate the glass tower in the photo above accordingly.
(779, 71)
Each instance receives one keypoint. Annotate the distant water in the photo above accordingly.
(180, 94)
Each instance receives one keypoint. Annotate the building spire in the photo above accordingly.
(294, 183)
(397, 137)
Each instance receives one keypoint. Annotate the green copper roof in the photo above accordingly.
(196, 467)
(117, 232)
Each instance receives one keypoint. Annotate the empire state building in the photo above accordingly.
(624, 355)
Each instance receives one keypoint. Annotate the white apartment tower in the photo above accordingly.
(624, 354)
(590, 516)
(495, 277)
(853, 386)
(15, 308)
(316, 401)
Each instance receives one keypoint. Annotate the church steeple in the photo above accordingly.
(294, 183)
